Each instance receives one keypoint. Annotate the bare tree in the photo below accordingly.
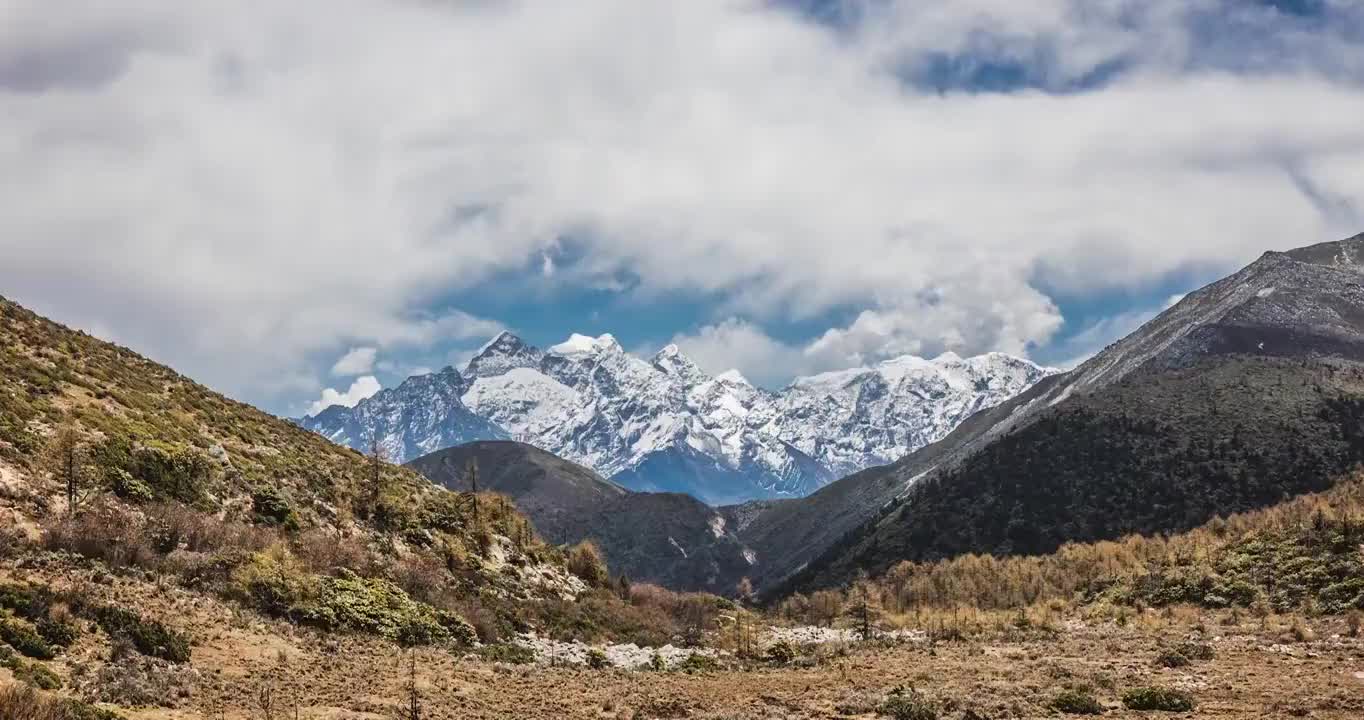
(471, 471)
(413, 707)
(374, 480)
(68, 458)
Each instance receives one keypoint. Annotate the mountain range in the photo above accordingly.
(1245, 393)
(665, 425)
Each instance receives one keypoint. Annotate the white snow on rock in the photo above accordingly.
(628, 656)
(725, 439)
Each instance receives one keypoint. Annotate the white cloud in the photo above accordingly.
(1100, 334)
(739, 344)
(356, 362)
(363, 387)
(298, 178)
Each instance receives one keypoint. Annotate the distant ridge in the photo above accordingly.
(665, 425)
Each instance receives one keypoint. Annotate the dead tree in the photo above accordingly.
(413, 708)
(67, 461)
(471, 471)
(374, 480)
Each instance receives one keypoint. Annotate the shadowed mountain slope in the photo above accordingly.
(668, 538)
(1246, 392)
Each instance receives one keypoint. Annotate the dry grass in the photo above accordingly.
(21, 702)
(997, 664)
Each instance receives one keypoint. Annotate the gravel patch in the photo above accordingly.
(629, 655)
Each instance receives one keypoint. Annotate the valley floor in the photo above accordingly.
(241, 664)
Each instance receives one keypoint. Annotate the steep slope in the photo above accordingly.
(151, 452)
(665, 425)
(666, 538)
(1246, 392)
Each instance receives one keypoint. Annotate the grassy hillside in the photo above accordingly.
(1301, 556)
(178, 438)
(174, 479)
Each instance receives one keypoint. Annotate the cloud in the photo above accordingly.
(740, 344)
(302, 178)
(356, 362)
(1100, 334)
(364, 386)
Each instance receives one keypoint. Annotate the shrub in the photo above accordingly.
(507, 653)
(148, 636)
(657, 663)
(377, 606)
(780, 653)
(271, 507)
(1077, 701)
(1197, 651)
(597, 660)
(23, 637)
(21, 702)
(129, 488)
(461, 632)
(37, 675)
(910, 704)
(698, 663)
(58, 633)
(1172, 659)
(585, 561)
(274, 582)
(1158, 698)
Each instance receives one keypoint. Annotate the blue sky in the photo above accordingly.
(253, 193)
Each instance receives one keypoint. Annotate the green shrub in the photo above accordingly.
(1172, 659)
(271, 507)
(38, 676)
(23, 637)
(23, 701)
(58, 633)
(507, 653)
(1197, 651)
(461, 632)
(148, 636)
(780, 653)
(1077, 701)
(909, 704)
(657, 663)
(597, 660)
(585, 561)
(699, 663)
(128, 487)
(1158, 698)
(18, 599)
(274, 583)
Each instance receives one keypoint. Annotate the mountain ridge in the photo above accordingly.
(1247, 391)
(663, 424)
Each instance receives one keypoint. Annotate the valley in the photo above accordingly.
(1174, 525)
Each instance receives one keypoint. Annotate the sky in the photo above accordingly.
(299, 203)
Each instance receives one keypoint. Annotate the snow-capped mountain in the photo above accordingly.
(422, 415)
(665, 425)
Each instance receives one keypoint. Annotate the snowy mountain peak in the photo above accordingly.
(577, 344)
(671, 361)
(733, 376)
(665, 424)
(502, 353)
